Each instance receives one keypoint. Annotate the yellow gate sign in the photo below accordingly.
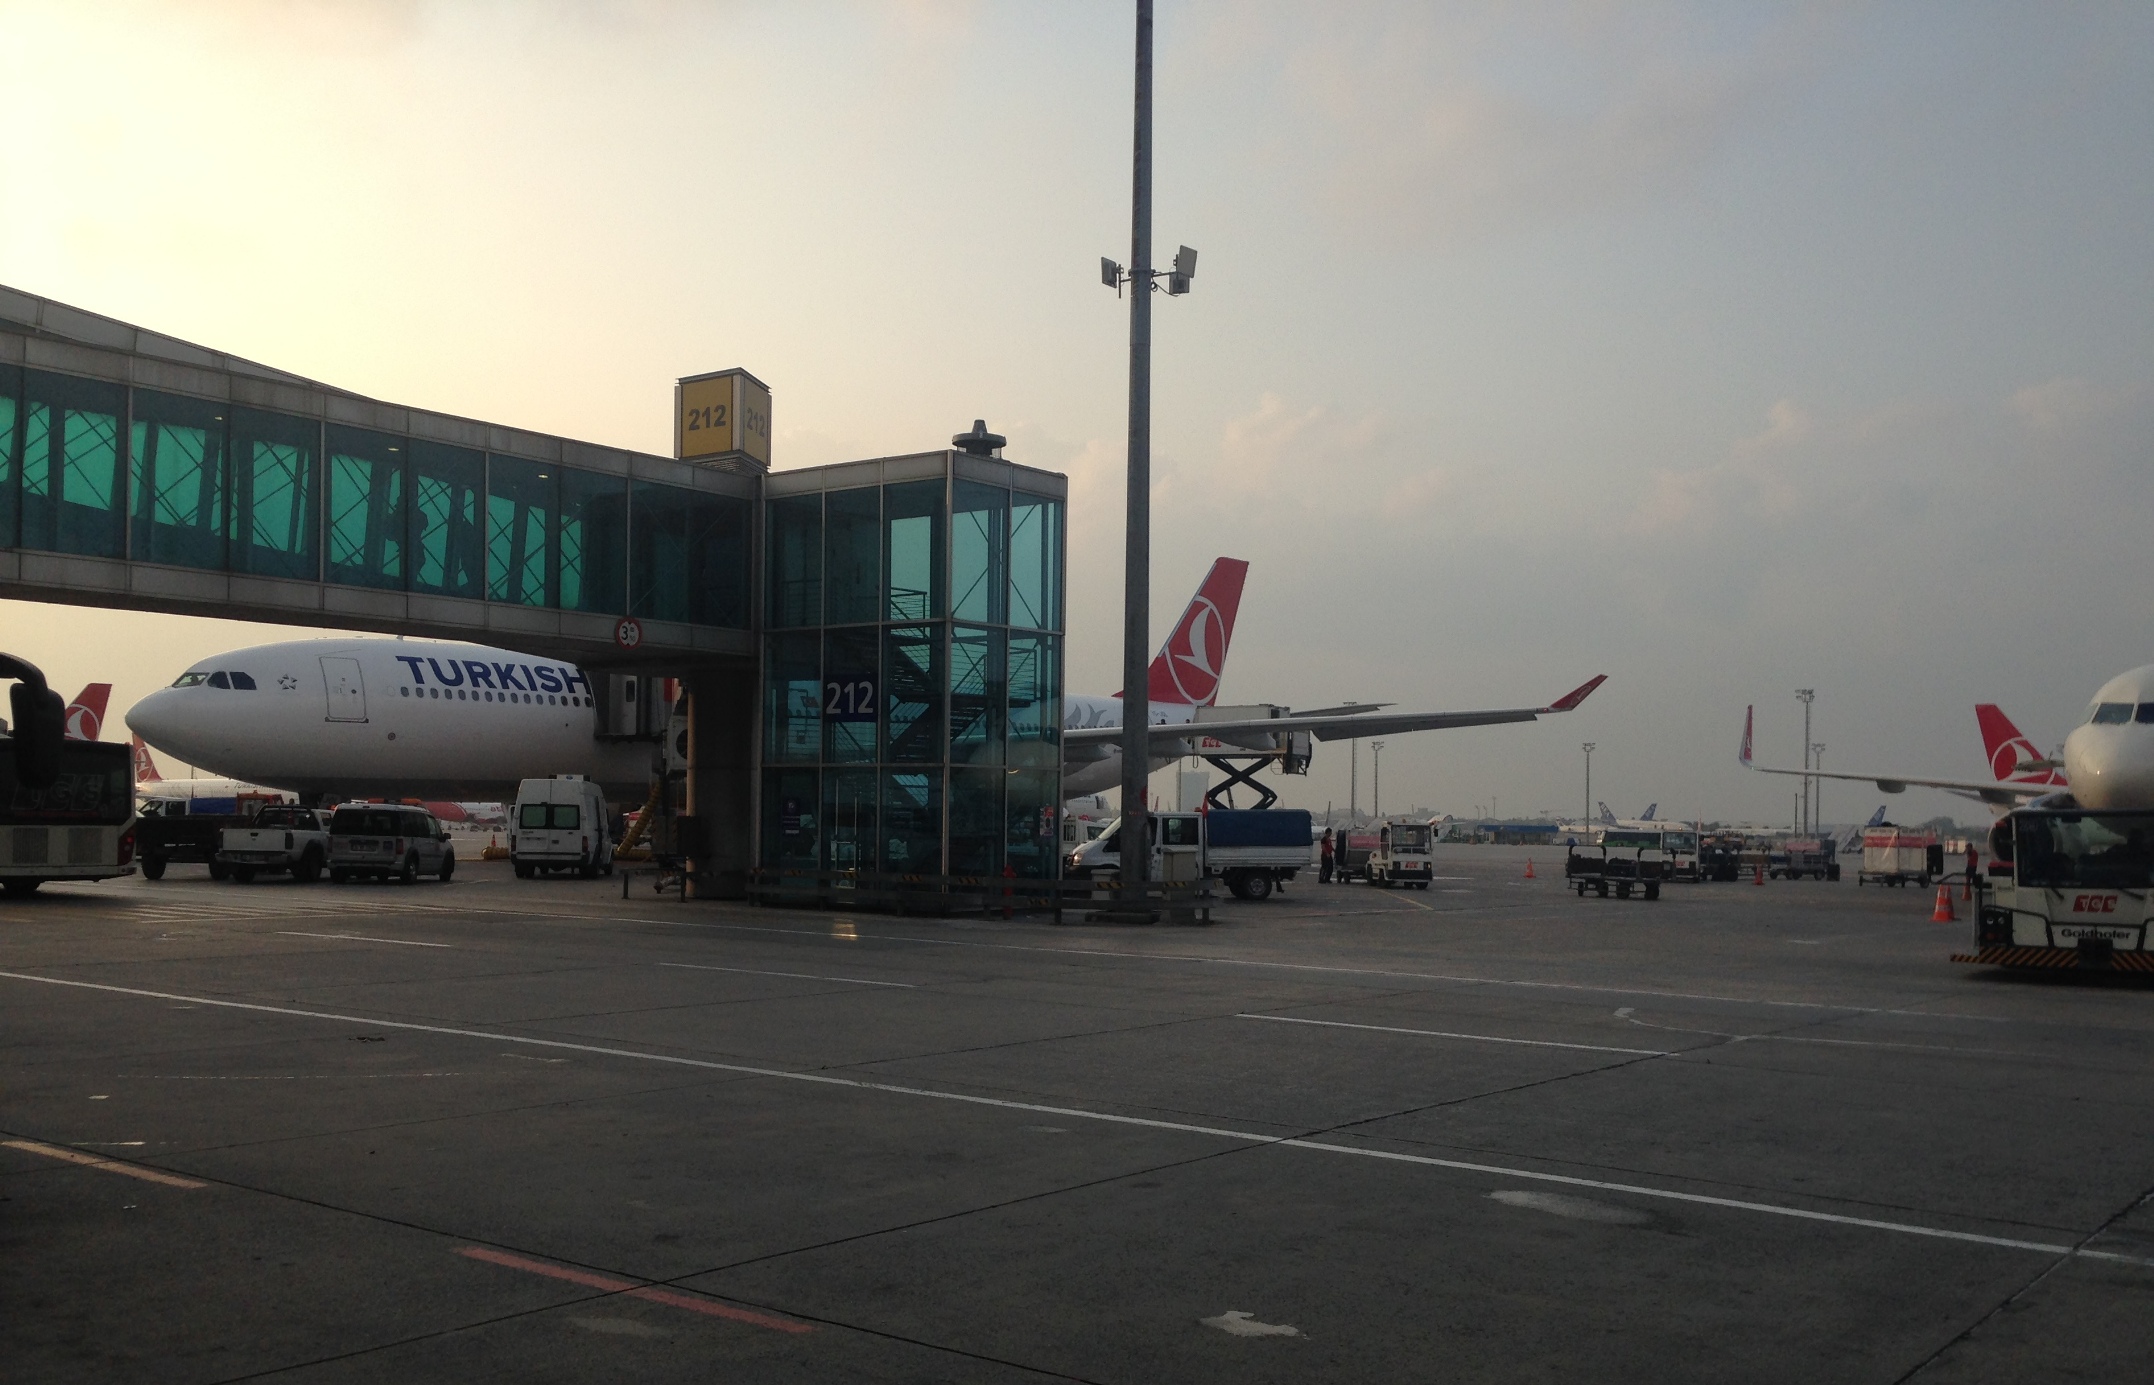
(726, 411)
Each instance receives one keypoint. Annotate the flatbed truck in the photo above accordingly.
(1252, 851)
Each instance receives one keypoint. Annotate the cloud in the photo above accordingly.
(2067, 404)
(1460, 123)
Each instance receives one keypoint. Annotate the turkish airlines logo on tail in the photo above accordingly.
(86, 714)
(2008, 749)
(145, 767)
(1188, 667)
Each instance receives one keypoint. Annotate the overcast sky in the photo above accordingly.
(1723, 349)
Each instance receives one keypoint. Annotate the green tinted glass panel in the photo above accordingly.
(976, 827)
(1031, 802)
(1035, 699)
(853, 554)
(275, 506)
(658, 551)
(367, 519)
(522, 499)
(913, 693)
(977, 696)
(447, 553)
(789, 819)
(795, 546)
(849, 818)
(1035, 562)
(718, 557)
(71, 465)
(850, 703)
(10, 452)
(592, 543)
(912, 551)
(792, 697)
(178, 480)
(912, 822)
(979, 547)
(688, 555)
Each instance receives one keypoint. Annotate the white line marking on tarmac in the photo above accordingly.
(1476, 1038)
(794, 975)
(356, 938)
(1140, 1122)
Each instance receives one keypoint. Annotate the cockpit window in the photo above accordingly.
(2146, 714)
(190, 680)
(218, 680)
(2112, 713)
(243, 681)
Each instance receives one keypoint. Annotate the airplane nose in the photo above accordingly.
(153, 719)
(2111, 768)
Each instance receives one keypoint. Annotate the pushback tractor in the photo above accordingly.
(2067, 888)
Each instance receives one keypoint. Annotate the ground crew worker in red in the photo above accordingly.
(1323, 858)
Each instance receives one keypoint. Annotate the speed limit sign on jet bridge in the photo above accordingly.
(722, 415)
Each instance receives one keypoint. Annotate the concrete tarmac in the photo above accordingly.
(524, 1131)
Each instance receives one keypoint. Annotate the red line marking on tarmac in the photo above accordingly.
(707, 1307)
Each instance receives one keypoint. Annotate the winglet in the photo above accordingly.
(1576, 695)
(1749, 714)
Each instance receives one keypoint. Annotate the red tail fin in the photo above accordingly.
(86, 714)
(1187, 670)
(2008, 749)
(145, 767)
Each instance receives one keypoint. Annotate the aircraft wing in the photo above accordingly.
(1998, 792)
(1330, 724)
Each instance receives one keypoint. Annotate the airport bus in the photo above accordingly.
(67, 807)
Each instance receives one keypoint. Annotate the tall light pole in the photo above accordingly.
(1353, 779)
(1376, 763)
(1587, 815)
(1805, 696)
(1817, 786)
(1137, 552)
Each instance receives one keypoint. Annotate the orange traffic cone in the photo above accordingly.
(1529, 867)
(1943, 912)
(1759, 878)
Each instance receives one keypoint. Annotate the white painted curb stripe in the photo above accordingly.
(1251, 1137)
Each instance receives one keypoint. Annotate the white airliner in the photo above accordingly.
(441, 720)
(382, 717)
(2107, 766)
(1184, 676)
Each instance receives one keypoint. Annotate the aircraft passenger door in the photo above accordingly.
(347, 690)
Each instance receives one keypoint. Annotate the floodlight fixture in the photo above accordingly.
(1110, 274)
(1185, 269)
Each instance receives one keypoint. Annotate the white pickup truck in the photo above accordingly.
(281, 837)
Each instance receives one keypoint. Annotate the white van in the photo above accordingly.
(560, 824)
